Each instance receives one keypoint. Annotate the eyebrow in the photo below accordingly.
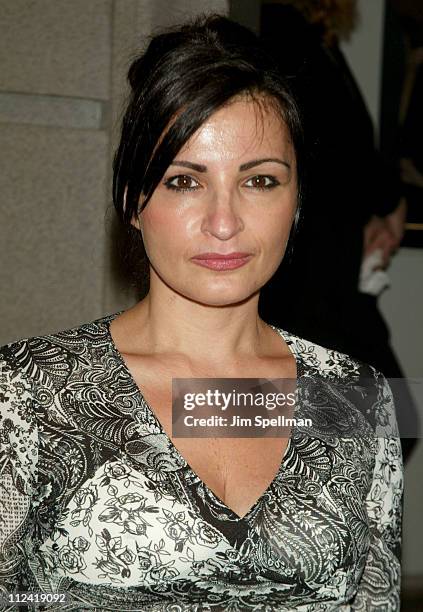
(246, 166)
(257, 162)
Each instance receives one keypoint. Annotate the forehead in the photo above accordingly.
(242, 128)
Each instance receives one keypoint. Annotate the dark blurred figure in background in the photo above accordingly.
(410, 18)
(353, 206)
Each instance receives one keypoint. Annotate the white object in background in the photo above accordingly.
(373, 280)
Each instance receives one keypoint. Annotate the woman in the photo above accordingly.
(100, 502)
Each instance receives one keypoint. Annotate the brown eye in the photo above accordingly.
(261, 181)
(182, 182)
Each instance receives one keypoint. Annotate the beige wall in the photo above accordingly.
(62, 85)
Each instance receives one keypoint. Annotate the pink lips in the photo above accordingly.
(221, 261)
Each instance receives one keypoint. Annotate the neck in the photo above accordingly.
(169, 323)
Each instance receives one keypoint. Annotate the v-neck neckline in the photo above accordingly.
(300, 369)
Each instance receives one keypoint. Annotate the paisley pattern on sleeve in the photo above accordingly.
(384, 509)
(97, 502)
(18, 474)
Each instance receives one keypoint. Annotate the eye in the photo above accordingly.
(261, 181)
(182, 182)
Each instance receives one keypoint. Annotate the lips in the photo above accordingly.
(234, 255)
(220, 261)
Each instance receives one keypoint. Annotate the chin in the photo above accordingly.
(222, 296)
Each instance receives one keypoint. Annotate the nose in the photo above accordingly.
(222, 217)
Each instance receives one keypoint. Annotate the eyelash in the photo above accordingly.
(168, 183)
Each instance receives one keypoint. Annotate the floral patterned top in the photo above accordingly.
(98, 505)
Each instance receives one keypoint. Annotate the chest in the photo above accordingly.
(237, 470)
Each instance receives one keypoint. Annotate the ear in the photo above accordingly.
(136, 220)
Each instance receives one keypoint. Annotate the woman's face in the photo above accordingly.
(231, 189)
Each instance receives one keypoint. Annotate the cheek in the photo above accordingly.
(162, 232)
(276, 226)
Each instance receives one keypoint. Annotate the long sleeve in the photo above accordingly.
(18, 467)
(379, 586)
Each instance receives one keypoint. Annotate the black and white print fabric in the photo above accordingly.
(97, 502)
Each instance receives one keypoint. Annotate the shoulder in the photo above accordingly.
(362, 386)
(47, 359)
(36, 371)
(324, 361)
